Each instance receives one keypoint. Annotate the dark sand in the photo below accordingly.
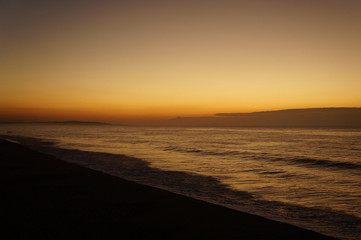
(46, 198)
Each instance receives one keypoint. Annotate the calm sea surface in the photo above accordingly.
(307, 177)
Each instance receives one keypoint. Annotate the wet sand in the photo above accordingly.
(46, 198)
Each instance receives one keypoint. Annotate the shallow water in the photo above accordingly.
(307, 177)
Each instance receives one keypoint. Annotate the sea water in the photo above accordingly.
(307, 177)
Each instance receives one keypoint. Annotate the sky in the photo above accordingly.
(113, 60)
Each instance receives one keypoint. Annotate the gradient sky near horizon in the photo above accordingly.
(113, 60)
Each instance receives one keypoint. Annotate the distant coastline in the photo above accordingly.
(339, 118)
(58, 122)
(288, 118)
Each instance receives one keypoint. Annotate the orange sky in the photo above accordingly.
(111, 60)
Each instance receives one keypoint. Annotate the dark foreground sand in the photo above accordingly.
(46, 198)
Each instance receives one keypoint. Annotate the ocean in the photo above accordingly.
(307, 177)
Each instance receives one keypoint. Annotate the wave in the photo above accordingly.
(202, 152)
(303, 161)
(326, 163)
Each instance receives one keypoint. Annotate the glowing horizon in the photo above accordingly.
(113, 60)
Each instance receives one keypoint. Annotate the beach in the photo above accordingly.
(46, 198)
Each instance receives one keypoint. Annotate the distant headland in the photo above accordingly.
(300, 118)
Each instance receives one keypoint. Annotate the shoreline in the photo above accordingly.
(45, 197)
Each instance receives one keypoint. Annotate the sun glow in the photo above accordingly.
(112, 60)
